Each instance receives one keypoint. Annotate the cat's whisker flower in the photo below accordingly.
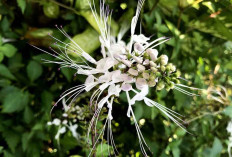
(134, 67)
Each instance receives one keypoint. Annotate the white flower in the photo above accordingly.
(229, 127)
(56, 122)
(120, 68)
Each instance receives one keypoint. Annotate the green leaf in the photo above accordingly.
(68, 73)
(4, 82)
(22, 5)
(1, 56)
(41, 33)
(51, 10)
(34, 70)
(138, 110)
(216, 149)
(5, 24)
(12, 139)
(8, 50)
(88, 41)
(5, 72)
(0, 40)
(25, 141)
(28, 115)
(1, 149)
(47, 98)
(15, 101)
(228, 111)
(102, 150)
(7, 154)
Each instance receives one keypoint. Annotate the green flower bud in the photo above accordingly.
(172, 85)
(152, 77)
(167, 88)
(154, 69)
(158, 74)
(173, 68)
(178, 73)
(160, 85)
(152, 83)
(152, 64)
(163, 59)
(145, 75)
(129, 56)
(146, 56)
(175, 80)
(162, 68)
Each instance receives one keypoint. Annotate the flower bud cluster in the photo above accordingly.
(146, 68)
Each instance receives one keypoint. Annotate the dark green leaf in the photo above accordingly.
(28, 115)
(12, 139)
(34, 70)
(15, 101)
(5, 72)
(68, 73)
(1, 56)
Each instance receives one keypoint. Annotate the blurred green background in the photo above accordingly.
(201, 47)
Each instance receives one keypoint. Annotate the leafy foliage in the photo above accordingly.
(201, 47)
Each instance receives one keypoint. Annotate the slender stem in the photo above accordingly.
(179, 19)
(93, 134)
(59, 4)
(65, 6)
(203, 115)
(154, 6)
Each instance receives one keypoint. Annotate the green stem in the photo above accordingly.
(203, 115)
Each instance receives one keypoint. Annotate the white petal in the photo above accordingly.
(105, 64)
(126, 78)
(146, 62)
(90, 86)
(116, 76)
(140, 83)
(114, 90)
(126, 87)
(62, 130)
(56, 121)
(133, 72)
(138, 59)
(138, 47)
(89, 58)
(127, 63)
(89, 79)
(117, 49)
(107, 77)
(153, 53)
(140, 96)
(141, 38)
(140, 67)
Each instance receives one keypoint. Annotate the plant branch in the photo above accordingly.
(203, 115)
(65, 6)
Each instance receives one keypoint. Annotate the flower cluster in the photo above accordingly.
(68, 121)
(131, 67)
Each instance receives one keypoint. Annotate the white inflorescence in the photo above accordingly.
(132, 67)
